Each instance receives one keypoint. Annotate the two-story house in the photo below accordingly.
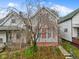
(44, 22)
(12, 29)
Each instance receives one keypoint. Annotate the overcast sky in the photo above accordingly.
(62, 6)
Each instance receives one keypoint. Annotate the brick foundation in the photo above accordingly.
(75, 40)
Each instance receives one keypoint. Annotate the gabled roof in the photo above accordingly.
(51, 11)
(9, 15)
(69, 16)
(3, 20)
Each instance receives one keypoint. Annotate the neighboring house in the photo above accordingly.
(44, 22)
(12, 29)
(69, 27)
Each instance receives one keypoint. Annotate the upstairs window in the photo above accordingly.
(66, 30)
(1, 40)
(13, 21)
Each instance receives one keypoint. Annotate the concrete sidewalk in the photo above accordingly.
(65, 53)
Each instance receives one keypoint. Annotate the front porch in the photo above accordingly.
(47, 39)
(13, 37)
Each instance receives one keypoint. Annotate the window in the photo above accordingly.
(65, 30)
(1, 40)
(13, 20)
(18, 35)
(43, 35)
(49, 34)
(78, 32)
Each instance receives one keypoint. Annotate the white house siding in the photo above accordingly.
(75, 24)
(74, 32)
(51, 18)
(3, 36)
(75, 20)
(18, 22)
(66, 25)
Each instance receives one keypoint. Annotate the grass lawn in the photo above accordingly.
(68, 46)
(45, 53)
(34, 53)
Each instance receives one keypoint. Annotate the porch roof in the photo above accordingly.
(10, 28)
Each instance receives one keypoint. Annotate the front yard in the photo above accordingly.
(34, 53)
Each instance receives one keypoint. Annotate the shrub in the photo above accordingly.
(30, 51)
(17, 53)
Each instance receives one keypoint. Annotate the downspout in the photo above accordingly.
(71, 29)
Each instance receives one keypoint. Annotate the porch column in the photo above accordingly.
(7, 36)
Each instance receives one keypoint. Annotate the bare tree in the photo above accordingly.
(29, 7)
(43, 20)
